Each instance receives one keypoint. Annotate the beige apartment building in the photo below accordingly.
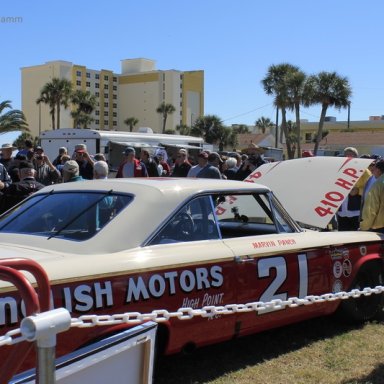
(135, 92)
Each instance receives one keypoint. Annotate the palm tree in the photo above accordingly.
(55, 94)
(47, 98)
(165, 110)
(239, 129)
(208, 127)
(13, 120)
(264, 123)
(85, 104)
(183, 129)
(296, 85)
(131, 122)
(20, 140)
(275, 83)
(330, 90)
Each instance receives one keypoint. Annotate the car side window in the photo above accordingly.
(193, 222)
(249, 215)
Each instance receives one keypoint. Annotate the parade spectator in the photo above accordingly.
(28, 147)
(20, 190)
(60, 166)
(5, 179)
(182, 165)
(62, 151)
(149, 163)
(81, 156)
(71, 172)
(249, 165)
(375, 174)
(202, 161)
(231, 168)
(46, 172)
(165, 166)
(211, 170)
(348, 215)
(100, 170)
(13, 168)
(372, 217)
(99, 157)
(6, 154)
(239, 161)
(130, 166)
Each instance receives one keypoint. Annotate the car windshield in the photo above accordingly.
(66, 215)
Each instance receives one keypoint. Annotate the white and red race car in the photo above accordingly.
(136, 245)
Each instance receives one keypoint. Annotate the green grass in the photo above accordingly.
(316, 351)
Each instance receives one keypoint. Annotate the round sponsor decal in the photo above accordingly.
(347, 268)
(363, 250)
(337, 286)
(337, 269)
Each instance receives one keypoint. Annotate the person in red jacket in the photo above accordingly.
(131, 167)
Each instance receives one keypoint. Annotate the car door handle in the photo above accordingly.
(243, 259)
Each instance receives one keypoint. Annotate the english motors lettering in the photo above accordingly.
(168, 283)
(95, 296)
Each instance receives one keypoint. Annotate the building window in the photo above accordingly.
(181, 104)
(114, 114)
(78, 82)
(105, 86)
(163, 86)
(97, 94)
(115, 88)
(88, 75)
(78, 73)
(106, 122)
(97, 85)
(106, 113)
(97, 76)
(97, 122)
(106, 105)
(181, 95)
(308, 137)
(106, 95)
(114, 105)
(115, 123)
(88, 83)
(114, 97)
(106, 77)
(97, 113)
(115, 79)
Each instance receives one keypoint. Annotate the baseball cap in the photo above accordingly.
(71, 166)
(80, 148)
(38, 148)
(213, 156)
(128, 150)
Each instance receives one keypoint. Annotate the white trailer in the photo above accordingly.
(107, 141)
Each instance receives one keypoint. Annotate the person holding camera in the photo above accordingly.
(46, 172)
(81, 156)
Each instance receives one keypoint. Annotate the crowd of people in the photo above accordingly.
(31, 169)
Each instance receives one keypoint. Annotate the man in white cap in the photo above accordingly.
(6, 154)
(71, 172)
(131, 167)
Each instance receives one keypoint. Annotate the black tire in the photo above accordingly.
(363, 308)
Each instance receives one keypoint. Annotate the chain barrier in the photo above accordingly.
(161, 315)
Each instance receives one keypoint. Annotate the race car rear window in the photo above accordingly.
(66, 215)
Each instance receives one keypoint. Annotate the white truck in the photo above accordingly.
(112, 143)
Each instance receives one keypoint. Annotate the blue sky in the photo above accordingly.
(234, 42)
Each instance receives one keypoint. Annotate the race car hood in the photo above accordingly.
(311, 189)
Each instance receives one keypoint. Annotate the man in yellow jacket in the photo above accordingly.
(372, 218)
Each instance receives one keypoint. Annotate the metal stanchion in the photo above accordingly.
(43, 329)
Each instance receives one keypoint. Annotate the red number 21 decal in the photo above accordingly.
(279, 264)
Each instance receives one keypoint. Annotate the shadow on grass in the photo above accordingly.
(211, 362)
(375, 377)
